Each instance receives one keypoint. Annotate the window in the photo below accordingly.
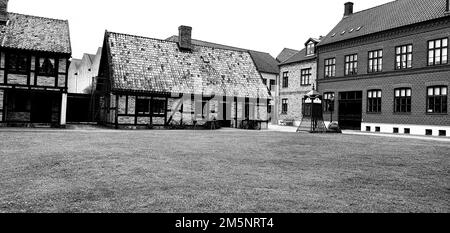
(285, 80)
(284, 106)
(403, 57)
(375, 61)
(328, 99)
(310, 49)
(143, 106)
(272, 85)
(368, 129)
(158, 106)
(396, 130)
(407, 131)
(438, 52)
(17, 63)
(429, 132)
(402, 100)
(330, 68)
(47, 66)
(351, 64)
(305, 77)
(374, 101)
(437, 99)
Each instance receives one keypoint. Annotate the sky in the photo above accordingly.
(261, 25)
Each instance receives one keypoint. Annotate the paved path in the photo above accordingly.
(278, 128)
(431, 138)
(354, 132)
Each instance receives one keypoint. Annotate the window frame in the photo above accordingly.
(43, 73)
(330, 68)
(371, 58)
(284, 106)
(398, 100)
(351, 65)
(401, 54)
(441, 48)
(139, 105)
(310, 49)
(285, 80)
(374, 104)
(16, 69)
(272, 85)
(443, 100)
(305, 75)
(162, 104)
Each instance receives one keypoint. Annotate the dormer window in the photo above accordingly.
(310, 48)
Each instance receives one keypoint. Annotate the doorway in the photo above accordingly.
(350, 110)
(226, 111)
(41, 108)
(79, 108)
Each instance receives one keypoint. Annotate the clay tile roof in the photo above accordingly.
(35, 33)
(264, 62)
(299, 57)
(286, 54)
(143, 64)
(385, 17)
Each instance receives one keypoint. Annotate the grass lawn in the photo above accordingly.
(220, 171)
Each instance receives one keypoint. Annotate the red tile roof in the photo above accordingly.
(35, 33)
(264, 62)
(385, 17)
(143, 64)
(299, 57)
(286, 54)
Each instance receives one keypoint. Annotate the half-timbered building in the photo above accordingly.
(159, 83)
(34, 58)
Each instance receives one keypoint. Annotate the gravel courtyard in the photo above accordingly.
(220, 171)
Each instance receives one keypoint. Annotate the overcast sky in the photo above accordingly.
(262, 25)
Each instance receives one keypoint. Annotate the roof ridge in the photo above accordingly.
(41, 17)
(222, 45)
(291, 49)
(371, 8)
(168, 41)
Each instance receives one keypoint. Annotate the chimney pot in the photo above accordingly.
(348, 9)
(3, 11)
(185, 37)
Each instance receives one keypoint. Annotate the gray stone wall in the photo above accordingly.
(295, 91)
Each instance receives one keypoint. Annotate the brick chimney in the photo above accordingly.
(184, 37)
(448, 6)
(3, 11)
(348, 9)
